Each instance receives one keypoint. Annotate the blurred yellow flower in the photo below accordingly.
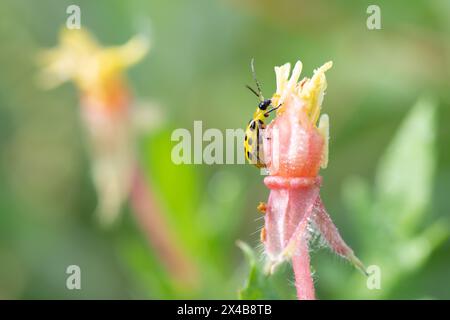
(105, 107)
(97, 71)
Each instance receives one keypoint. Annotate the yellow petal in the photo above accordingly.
(314, 90)
(80, 58)
(134, 50)
(282, 76)
(292, 83)
(324, 129)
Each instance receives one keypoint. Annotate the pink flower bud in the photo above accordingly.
(293, 146)
(294, 150)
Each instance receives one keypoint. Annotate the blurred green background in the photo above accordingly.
(386, 186)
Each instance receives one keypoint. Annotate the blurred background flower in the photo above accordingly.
(197, 71)
(106, 107)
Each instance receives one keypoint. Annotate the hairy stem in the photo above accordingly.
(303, 279)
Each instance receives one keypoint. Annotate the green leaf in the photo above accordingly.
(399, 244)
(357, 196)
(405, 174)
(176, 187)
(258, 284)
(416, 252)
(254, 287)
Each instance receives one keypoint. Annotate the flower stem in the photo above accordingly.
(303, 279)
(157, 231)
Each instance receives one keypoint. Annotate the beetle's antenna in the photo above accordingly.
(258, 85)
(273, 109)
(252, 90)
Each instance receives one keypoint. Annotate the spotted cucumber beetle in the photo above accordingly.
(253, 135)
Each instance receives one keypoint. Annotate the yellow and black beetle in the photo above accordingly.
(253, 133)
